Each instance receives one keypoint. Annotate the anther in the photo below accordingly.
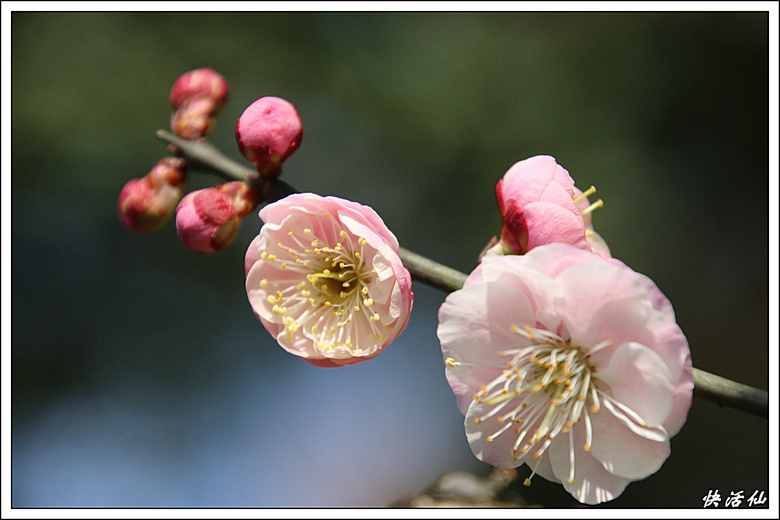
(599, 203)
(586, 193)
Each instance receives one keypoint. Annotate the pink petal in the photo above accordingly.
(252, 253)
(633, 319)
(682, 400)
(526, 180)
(551, 223)
(499, 451)
(553, 259)
(640, 379)
(622, 452)
(589, 285)
(592, 483)
(475, 322)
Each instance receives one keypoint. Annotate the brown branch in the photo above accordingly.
(203, 157)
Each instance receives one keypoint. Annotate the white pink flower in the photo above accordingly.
(325, 279)
(540, 205)
(569, 362)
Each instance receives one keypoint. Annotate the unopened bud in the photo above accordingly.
(199, 83)
(207, 220)
(194, 119)
(243, 197)
(268, 132)
(146, 204)
(168, 171)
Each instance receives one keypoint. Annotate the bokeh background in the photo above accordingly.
(141, 378)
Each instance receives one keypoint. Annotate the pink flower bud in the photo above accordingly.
(540, 205)
(146, 204)
(170, 171)
(194, 119)
(200, 83)
(268, 132)
(207, 220)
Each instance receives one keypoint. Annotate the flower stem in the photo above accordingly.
(432, 273)
(725, 392)
(203, 157)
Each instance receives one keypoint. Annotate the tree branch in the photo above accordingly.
(203, 157)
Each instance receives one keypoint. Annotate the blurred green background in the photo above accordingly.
(141, 378)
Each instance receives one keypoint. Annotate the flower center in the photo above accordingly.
(325, 291)
(547, 389)
(335, 280)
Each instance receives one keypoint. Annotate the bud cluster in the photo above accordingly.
(207, 220)
(197, 97)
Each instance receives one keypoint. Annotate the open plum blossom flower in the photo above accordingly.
(325, 279)
(540, 205)
(570, 363)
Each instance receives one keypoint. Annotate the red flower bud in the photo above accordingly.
(146, 204)
(199, 83)
(194, 119)
(268, 132)
(207, 220)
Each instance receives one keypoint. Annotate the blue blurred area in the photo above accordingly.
(141, 378)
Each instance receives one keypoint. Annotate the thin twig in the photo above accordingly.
(202, 156)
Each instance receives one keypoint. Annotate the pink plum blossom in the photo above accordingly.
(325, 279)
(570, 363)
(540, 205)
(207, 220)
(268, 132)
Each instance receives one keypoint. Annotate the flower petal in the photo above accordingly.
(475, 322)
(639, 378)
(497, 452)
(526, 180)
(592, 483)
(548, 223)
(682, 400)
(624, 453)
